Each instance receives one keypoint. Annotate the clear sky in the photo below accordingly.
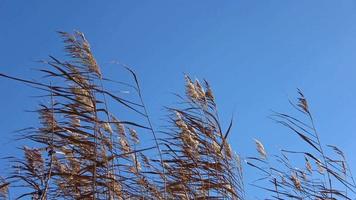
(255, 53)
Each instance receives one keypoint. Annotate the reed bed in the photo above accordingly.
(85, 150)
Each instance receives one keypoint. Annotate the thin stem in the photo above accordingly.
(51, 152)
(322, 153)
(151, 128)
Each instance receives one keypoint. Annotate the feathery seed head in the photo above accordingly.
(260, 148)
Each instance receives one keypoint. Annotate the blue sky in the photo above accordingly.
(255, 53)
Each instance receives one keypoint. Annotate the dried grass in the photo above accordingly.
(85, 152)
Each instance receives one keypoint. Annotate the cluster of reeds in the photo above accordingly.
(325, 174)
(84, 151)
(199, 160)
